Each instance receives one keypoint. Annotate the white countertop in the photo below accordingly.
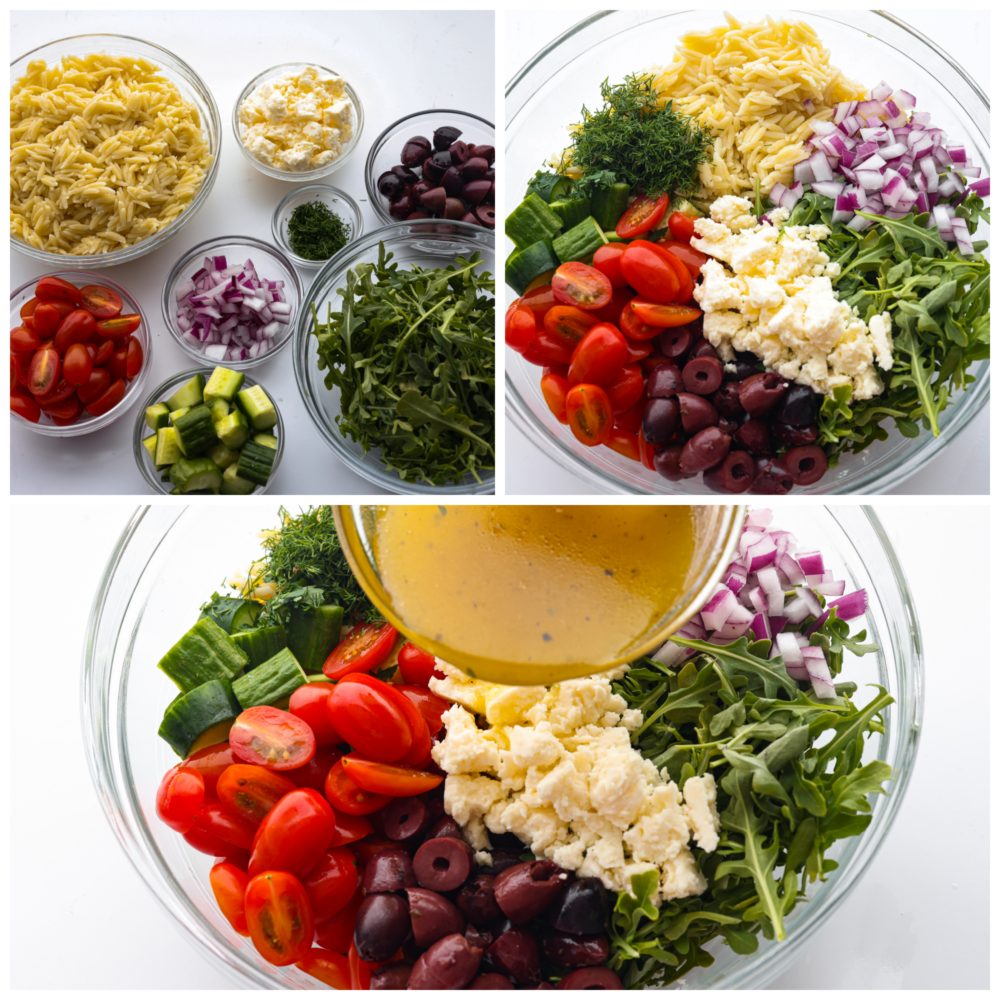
(962, 468)
(83, 919)
(399, 62)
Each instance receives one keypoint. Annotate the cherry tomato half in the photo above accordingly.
(428, 704)
(681, 226)
(95, 386)
(663, 315)
(590, 416)
(577, 284)
(607, 260)
(279, 917)
(634, 328)
(420, 737)
(519, 326)
(229, 886)
(313, 774)
(60, 391)
(251, 792)
(692, 259)
(685, 283)
(112, 396)
(43, 372)
(308, 702)
(613, 310)
(211, 763)
(646, 452)
(417, 666)
(105, 349)
(45, 319)
(562, 329)
(271, 738)
(599, 357)
(389, 779)
(368, 718)
(364, 647)
(77, 364)
(641, 216)
(28, 309)
(119, 326)
(23, 339)
(67, 409)
(294, 834)
(637, 349)
(100, 302)
(56, 288)
(180, 797)
(133, 358)
(539, 300)
(215, 819)
(337, 933)
(76, 328)
(554, 388)
(332, 883)
(117, 364)
(328, 967)
(349, 829)
(625, 443)
(649, 274)
(347, 796)
(625, 390)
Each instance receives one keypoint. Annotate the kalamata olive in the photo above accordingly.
(442, 864)
(799, 408)
(574, 951)
(405, 818)
(402, 206)
(504, 858)
(491, 197)
(433, 171)
(388, 871)
(696, 412)
(444, 827)
(382, 924)
(581, 907)
(445, 136)
(527, 889)
(390, 186)
(405, 174)
(675, 342)
(487, 216)
(453, 208)
(449, 964)
(470, 219)
(515, 954)
(703, 374)
(420, 188)
(727, 399)
(762, 391)
(806, 465)
(753, 436)
(728, 425)
(491, 175)
(477, 902)
(433, 917)
(391, 977)
(701, 348)
(474, 169)
(417, 215)
(491, 981)
(475, 191)
(746, 365)
(661, 419)
(793, 437)
(707, 448)
(667, 462)
(591, 979)
(772, 477)
(664, 380)
(459, 152)
(415, 151)
(488, 153)
(452, 182)
(443, 158)
(480, 937)
(734, 474)
(434, 199)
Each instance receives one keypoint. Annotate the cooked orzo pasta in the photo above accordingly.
(104, 152)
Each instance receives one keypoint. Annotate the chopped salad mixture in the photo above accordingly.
(382, 821)
(745, 264)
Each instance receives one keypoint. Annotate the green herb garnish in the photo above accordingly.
(413, 355)
(633, 139)
(315, 232)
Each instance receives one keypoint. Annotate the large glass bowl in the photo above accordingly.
(133, 391)
(424, 243)
(192, 88)
(150, 593)
(545, 96)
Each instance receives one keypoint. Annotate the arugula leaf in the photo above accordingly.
(744, 657)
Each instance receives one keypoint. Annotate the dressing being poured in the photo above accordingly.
(529, 594)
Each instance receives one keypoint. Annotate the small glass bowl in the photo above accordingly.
(298, 175)
(191, 87)
(161, 393)
(339, 202)
(279, 268)
(87, 424)
(426, 243)
(386, 149)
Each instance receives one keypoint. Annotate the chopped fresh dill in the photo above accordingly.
(315, 232)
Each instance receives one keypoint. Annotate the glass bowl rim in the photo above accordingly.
(297, 192)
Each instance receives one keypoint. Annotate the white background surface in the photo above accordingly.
(82, 918)
(961, 468)
(398, 62)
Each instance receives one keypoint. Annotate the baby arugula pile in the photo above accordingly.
(790, 783)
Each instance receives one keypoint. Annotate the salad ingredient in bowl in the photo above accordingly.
(315, 222)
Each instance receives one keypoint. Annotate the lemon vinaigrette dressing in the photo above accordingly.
(531, 594)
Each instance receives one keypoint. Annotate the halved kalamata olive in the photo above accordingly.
(433, 171)
(459, 152)
(444, 827)
(443, 157)
(664, 380)
(806, 465)
(488, 153)
(382, 924)
(434, 199)
(433, 917)
(442, 864)
(445, 136)
(504, 858)
(753, 436)
(575, 952)
(405, 174)
(491, 981)
(452, 182)
(405, 818)
(417, 215)
(667, 462)
(528, 889)
(661, 419)
(581, 907)
(487, 215)
(591, 979)
(453, 208)
(402, 206)
(391, 977)
(772, 477)
(696, 413)
(416, 150)
(390, 185)
(728, 425)
(727, 399)
(490, 198)
(477, 901)
(746, 365)
(707, 448)
(480, 937)
(515, 954)
(474, 169)
(421, 187)
(799, 408)
(734, 474)
(470, 219)
(762, 391)
(388, 871)
(675, 342)
(475, 191)
(793, 437)
(449, 964)
(703, 348)
(703, 374)
(490, 175)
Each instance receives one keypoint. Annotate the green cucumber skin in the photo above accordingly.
(260, 644)
(580, 242)
(608, 205)
(312, 638)
(523, 266)
(255, 463)
(271, 681)
(194, 711)
(531, 222)
(202, 654)
(223, 383)
(196, 431)
(572, 211)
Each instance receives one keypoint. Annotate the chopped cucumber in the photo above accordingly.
(580, 242)
(531, 221)
(219, 409)
(261, 644)
(268, 683)
(149, 443)
(190, 474)
(223, 383)
(202, 654)
(233, 430)
(523, 266)
(572, 211)
(178, 413)
(607, 205)
(223, 456)
(312, 634)
(157, 416)
(196, 711)
(196, 431)
(167, 448)
(687, 208)
(549, 187)
(255, 463)
(260, 411)
(232, 485)
(266, 440)
(189, 394)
